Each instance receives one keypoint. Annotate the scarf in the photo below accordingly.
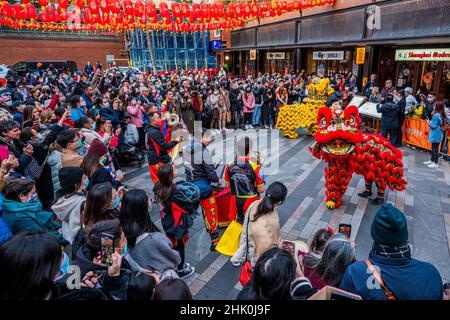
(400, 252)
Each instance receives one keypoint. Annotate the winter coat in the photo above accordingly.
(157, 146)
(71, 158)
(153, 251)
(89, 136)
(390, 114)
(54, 161)
(135, 113)
(249, 102)
(5, 232)
(436, 135)
(226, 99)
(68, 210)
(26, 216)
(198, 163)
(235, 103)
(406, 278)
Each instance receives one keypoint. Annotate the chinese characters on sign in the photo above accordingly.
(423, 55)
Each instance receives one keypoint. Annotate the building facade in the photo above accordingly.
(407, 41)
(80, 47)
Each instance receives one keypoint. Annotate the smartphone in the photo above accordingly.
(345, 229)
(107, 247)
(289, 247)
(343, 296)
(4, 153)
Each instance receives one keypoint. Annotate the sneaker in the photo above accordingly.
(365, 194)
(251, 127)
(236, 263)
(266, 127)
(377, 201)
(433, 165)
(427, 163)
(186, 272)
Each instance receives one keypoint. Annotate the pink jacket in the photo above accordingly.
(249, 102)
(135, 113)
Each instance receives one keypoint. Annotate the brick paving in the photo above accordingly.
(426, 203)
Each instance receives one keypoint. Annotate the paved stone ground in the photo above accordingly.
(426, 203)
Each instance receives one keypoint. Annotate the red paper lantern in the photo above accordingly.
(246, 10)
(150, 12)
(196, 8)
(80, 3)
(128, 8)
(205, 15)
(31, 12)
(230, 12)
(62, 4)
(176, 11)
(20, 12)
(51, 13)
(238, 13)
(103, 4)
(62, 15)
(185, 10)
(43, 3)
(43, 16)
(139, 10)
(7, 10)
(87, 16)
(220, 11)
(25, 1)
(164, 12)
(93, 6)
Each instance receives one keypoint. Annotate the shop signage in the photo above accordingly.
(328, 55)
(276, 55)
(252, 54)
(423, 55)
(360, 55)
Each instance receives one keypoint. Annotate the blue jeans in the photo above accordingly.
(256, 120)
(205, 189)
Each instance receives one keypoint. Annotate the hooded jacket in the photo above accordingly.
(68, 210)
(26, 216)
(406, 278)
(54, 161)
(390, 115)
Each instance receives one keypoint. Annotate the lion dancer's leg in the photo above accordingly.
(368, 192)
(210, 215)
(335, 185)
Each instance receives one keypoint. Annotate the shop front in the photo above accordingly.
(331, 62)
(424, 69)
(277, 61)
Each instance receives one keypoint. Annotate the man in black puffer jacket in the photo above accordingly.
(389, 119)
(200, 171)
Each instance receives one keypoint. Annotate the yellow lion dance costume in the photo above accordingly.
(304, 115)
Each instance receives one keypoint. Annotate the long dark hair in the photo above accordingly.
(90, 164)
(440, 108)
(276, 193)
(15, 187)
(29, 263)
(273, 275)
(135, 216)
(141, 286)
(98, 203)
(172, 289)
(163, 189)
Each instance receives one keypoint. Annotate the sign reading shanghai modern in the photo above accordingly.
(423, 55)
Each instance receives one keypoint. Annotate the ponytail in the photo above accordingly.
(275, 194)
(163, 189)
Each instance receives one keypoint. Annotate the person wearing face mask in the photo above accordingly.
(22, 210)
(87, 127)
(157, 147)
(69, 200)
(98, 166)
(249, 106)
(69, 142)
(78, 107)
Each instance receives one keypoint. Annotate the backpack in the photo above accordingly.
(131, 135)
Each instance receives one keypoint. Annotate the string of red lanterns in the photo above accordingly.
(119, 16)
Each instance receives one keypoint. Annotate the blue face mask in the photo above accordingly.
(34, 198)
(125, 249)
(133, 102)
(116, 202)
(107, 105)
(64, 266)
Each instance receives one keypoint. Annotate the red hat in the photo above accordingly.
(97, 148)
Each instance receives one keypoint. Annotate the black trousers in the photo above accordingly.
(435, 152)
(265, 114)
(392, 133)
(180, 248)
(141, 142)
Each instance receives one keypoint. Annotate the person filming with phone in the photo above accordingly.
(157, 147)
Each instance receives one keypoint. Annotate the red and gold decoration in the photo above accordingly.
(122, 15)
(347, 150)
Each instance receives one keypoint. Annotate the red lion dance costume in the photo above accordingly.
(347, 150)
